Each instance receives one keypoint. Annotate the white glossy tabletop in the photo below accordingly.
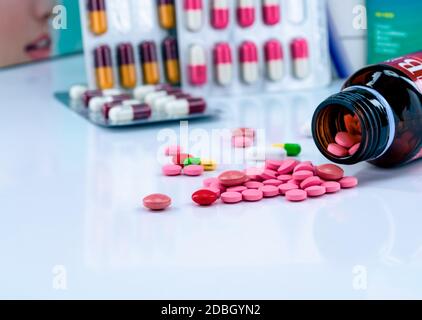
(72, 225)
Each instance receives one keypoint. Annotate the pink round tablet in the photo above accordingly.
(329, 172)
(354, 149)
(332, 186)
(239, 189)
(286, 187)
(219, 186)
(346, 140)
(284, 177)
(157, 202)
(193, 170)
(337, 150)
(288, 166)
(268, 174)
(296, 182)
(310, 182)
(231, 197)
(215, 190)
(315, 191)
(253, 185)
(272, 182)
(252, 195)
(242, 142)
(302, 175)
(273, 164)
(270, 191)
(172, 170)
(209, 181)
(307, 165)
(296, 195)
(173, 150)
(254, 173)
(349, 182)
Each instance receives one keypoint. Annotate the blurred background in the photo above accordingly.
(361, 32)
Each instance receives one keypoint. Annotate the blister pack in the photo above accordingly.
(250, 46)
(129, 42)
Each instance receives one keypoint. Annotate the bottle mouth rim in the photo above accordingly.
(324, 110)
(372, 115)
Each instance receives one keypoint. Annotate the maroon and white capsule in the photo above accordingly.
(184, 107)
(274, 60)
(223, 63)
(127, 113)
(96, 103)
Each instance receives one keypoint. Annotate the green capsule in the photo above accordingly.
(292, 149)
(192, 161)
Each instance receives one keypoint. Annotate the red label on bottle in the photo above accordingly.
(411, 66)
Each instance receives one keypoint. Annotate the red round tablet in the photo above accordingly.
(329, 172)
(157, 202)
(233, 178)
(204, 197)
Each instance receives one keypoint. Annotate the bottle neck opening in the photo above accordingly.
(359, 114)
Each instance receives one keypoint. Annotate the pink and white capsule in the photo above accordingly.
(271, 12)
(249, 62)
(197, 65)
(220, 14)
(300, 55)
(246, 13)
(223, 63)
(193, 14)
(274, 60)
(295, 10)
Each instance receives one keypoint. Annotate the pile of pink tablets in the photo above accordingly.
(295, 180)
(347, 143)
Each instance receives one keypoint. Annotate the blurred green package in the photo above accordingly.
(394, 28)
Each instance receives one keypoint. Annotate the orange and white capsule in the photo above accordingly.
(245, 13)
(220, 14)
(271, 12)
(193, 14)
(166, 14)
(149, 60)
(97, 17)
(274, 60)
(223, 63)
(300, 55)
(197, 65)
(248, 57)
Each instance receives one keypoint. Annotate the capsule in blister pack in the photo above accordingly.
(129, 42)
(252, 46)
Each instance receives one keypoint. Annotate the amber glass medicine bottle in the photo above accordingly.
(385, 101)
